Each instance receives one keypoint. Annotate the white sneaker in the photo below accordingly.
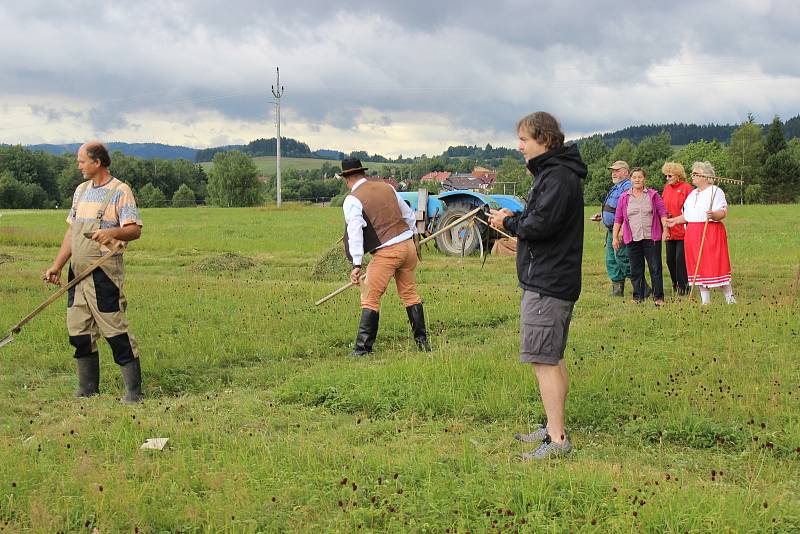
(548, 449)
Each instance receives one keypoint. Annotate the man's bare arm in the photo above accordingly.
(53, 274)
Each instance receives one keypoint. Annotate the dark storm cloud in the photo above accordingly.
(106, 119)
(480, 64)
(52, 114)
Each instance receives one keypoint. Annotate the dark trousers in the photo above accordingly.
(676, 263)
(638, 252)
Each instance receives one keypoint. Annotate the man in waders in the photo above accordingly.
(379, 222)
(104, 209)
(618, 264)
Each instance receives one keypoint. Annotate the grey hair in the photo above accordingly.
(706, 169)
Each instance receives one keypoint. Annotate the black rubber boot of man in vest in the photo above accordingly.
(132, 376)
(88, 375)
(618, 288)
(367, 332)
(416, 316)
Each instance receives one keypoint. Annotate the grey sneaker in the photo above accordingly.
(537, 436)
(548, 449)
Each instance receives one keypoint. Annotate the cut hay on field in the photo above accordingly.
(6, 258)
(333, 265)
(227, 262)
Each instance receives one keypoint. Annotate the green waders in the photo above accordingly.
(618, 266)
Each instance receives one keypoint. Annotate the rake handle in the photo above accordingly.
(116, 247)
(699, 257)
(340, 290)
(499, 231)
(702, 242)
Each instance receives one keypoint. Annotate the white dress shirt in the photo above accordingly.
(697, 203)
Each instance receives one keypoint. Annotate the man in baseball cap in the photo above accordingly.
(617, 263)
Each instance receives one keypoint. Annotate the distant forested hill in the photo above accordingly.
(139, 150)
(680, 134)
(291, 148)
(792, 127)
(683, 134)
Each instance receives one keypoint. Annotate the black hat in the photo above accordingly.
(351, 166)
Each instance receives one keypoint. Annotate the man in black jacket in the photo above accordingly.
(549, 253)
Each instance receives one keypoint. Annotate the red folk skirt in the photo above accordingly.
(715, 264)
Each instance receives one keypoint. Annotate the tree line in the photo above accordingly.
(233, 181)
(767, 163)
(683, 134)
(36, 179)
(290, 148)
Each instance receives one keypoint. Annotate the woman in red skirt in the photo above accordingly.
(707, 202)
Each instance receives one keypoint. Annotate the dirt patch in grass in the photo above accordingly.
(333, 265)
(227, 262)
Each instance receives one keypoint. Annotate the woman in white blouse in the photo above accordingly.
(706, 203)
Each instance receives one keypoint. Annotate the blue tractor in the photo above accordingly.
(437, 211)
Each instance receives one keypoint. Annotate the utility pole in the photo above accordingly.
(277, 92)
(741, 176)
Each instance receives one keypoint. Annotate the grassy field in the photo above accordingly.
(267, 164)
(684, 419)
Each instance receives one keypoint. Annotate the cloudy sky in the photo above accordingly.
(386, 76)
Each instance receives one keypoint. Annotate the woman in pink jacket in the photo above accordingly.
(642, 216)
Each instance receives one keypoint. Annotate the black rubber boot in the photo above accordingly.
(618, 288)
(416, 316)
(367, 332)
(88, 375)
(132, 376)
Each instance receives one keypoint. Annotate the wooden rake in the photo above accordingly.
(702, 241)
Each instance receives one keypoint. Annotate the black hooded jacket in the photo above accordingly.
(550, 228)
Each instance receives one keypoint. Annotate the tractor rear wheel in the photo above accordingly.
(461, 237)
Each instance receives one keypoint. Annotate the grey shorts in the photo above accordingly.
(544, 325)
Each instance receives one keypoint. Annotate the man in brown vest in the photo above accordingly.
(379, 222)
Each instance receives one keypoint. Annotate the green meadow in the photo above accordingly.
(684, 419)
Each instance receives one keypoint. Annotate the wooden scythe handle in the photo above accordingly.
(115, 247)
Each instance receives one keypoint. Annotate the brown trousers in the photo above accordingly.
(504, 247)
(398, 260)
